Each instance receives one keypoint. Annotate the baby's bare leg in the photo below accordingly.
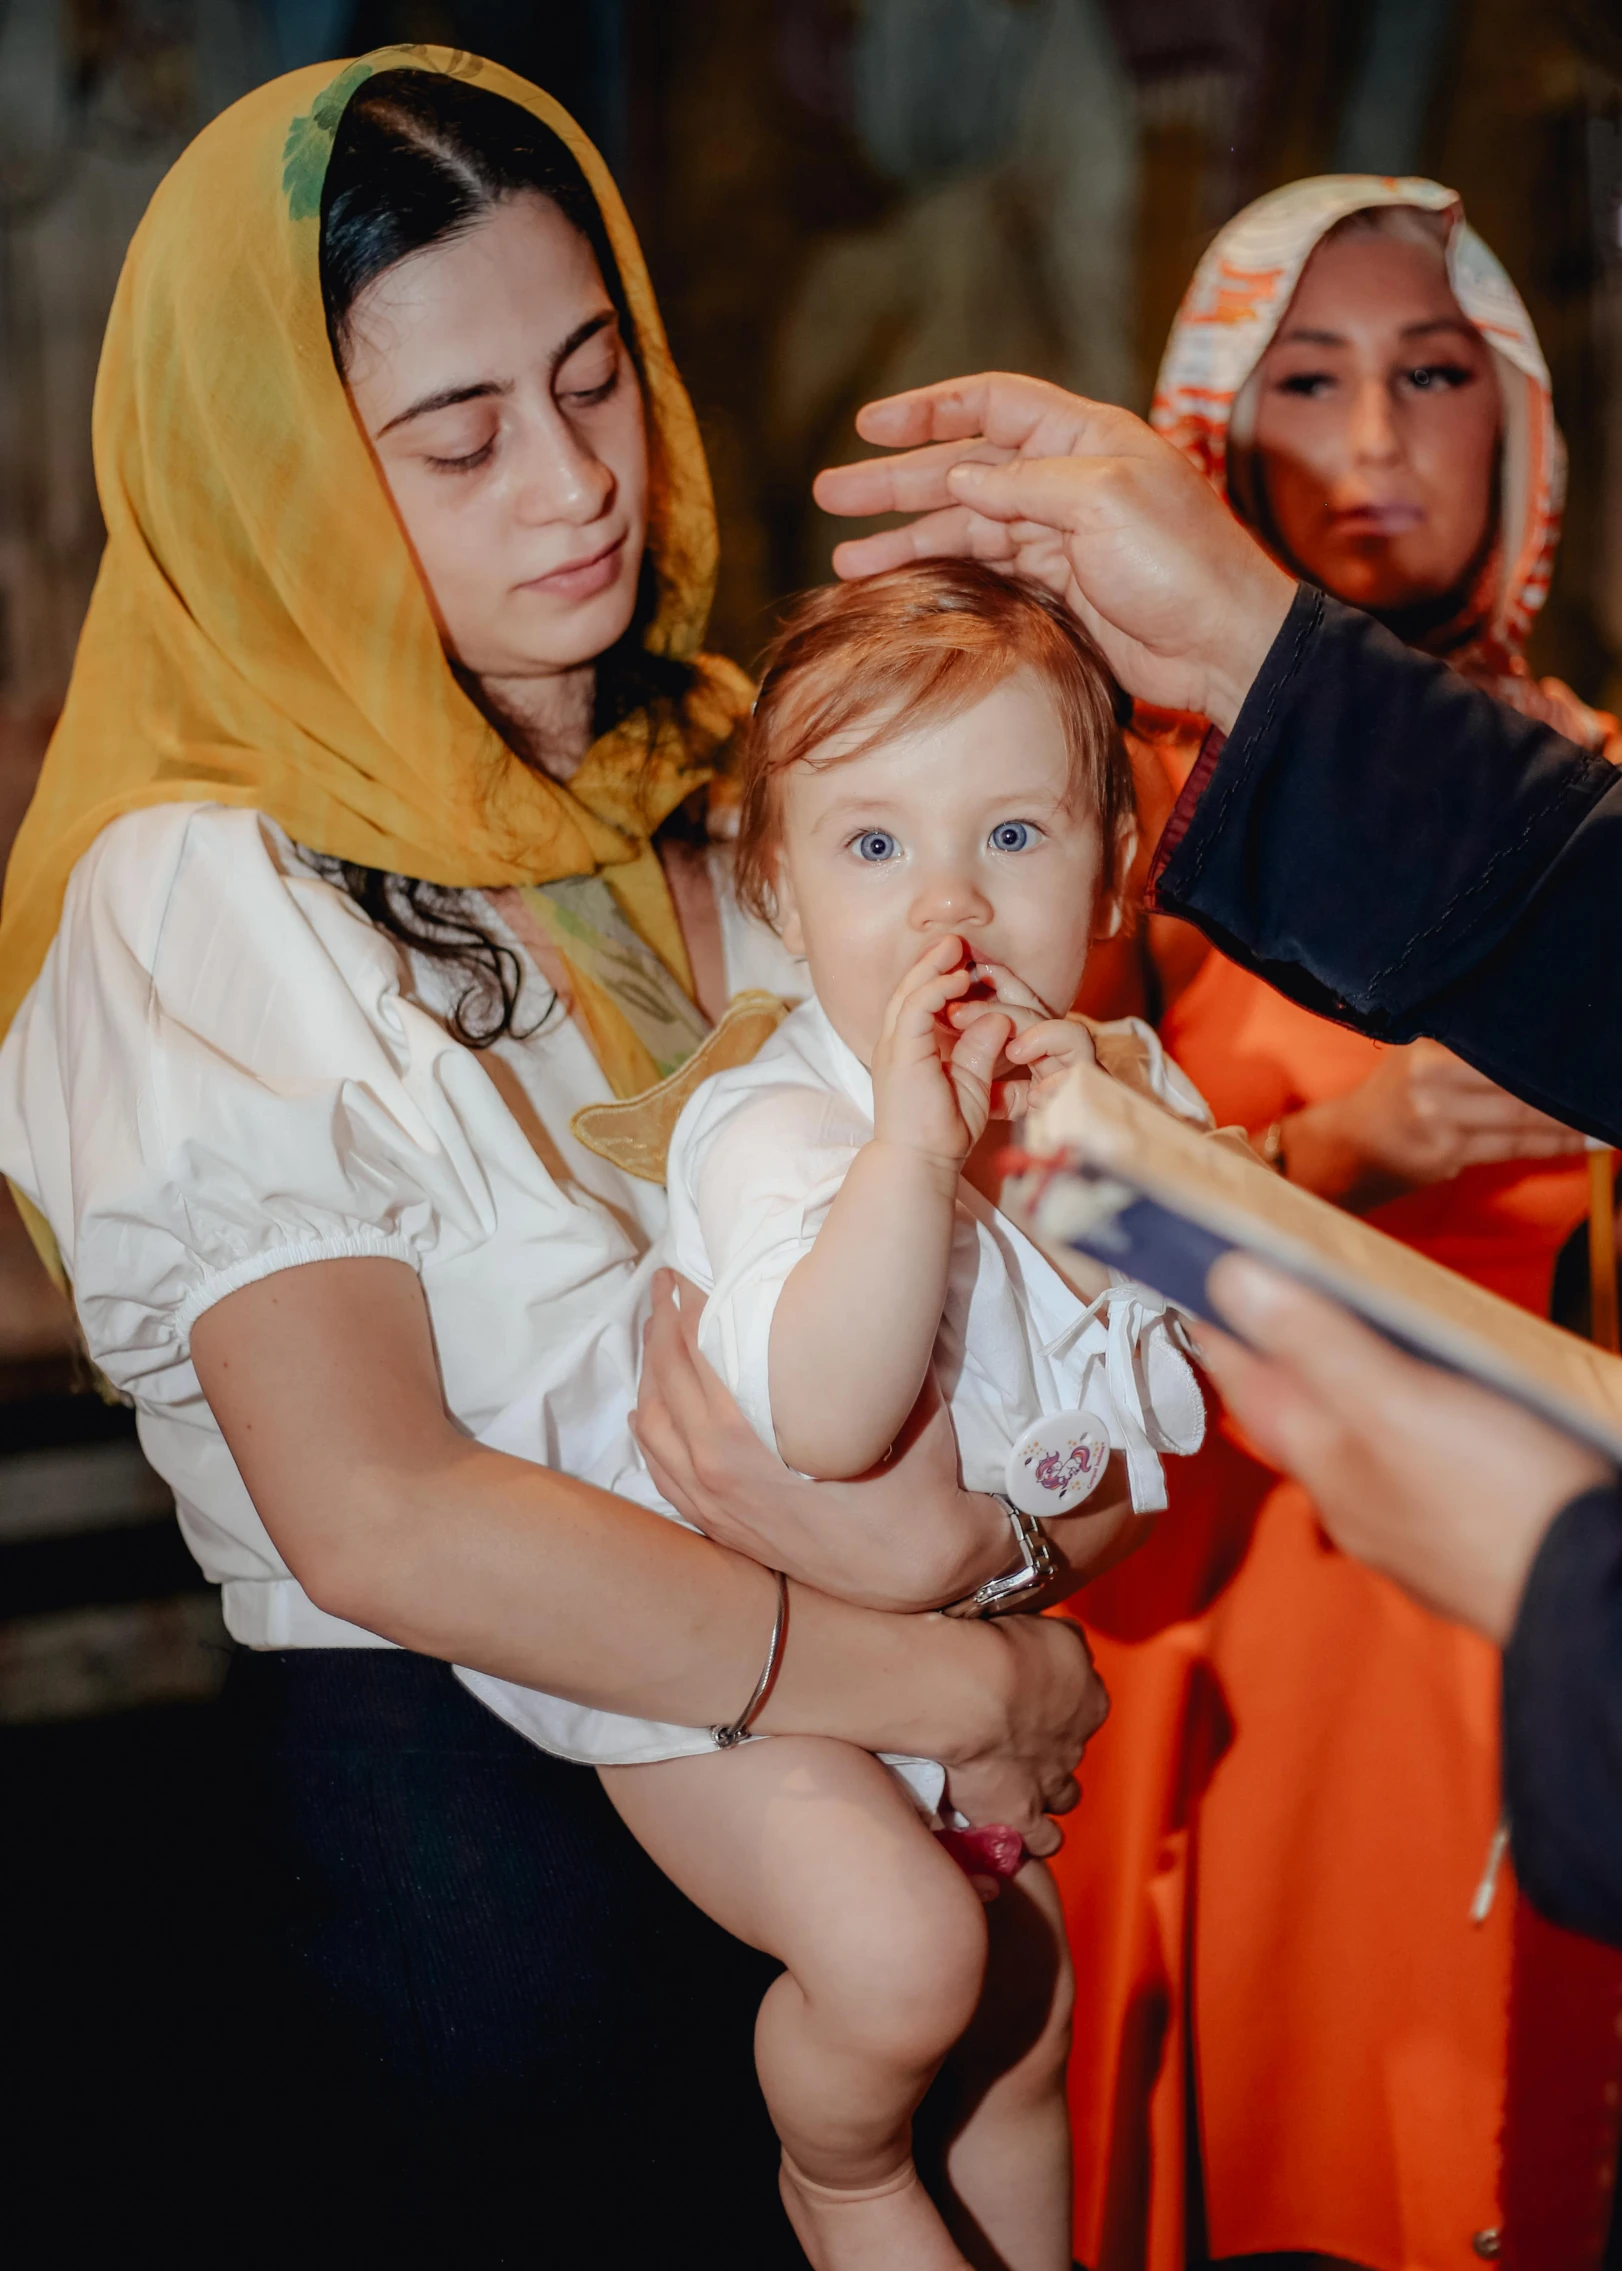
(1002, 2095)
(810, 1850)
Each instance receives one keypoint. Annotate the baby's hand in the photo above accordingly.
(1044, 1047)
(1050, 1046)
(932, 1095)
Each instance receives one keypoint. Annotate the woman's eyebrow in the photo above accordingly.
(578, 337)
(1299, 336)
(446, 398)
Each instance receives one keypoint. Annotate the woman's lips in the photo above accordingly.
(581, 579)
(1379, 520)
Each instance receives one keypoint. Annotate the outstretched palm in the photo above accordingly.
(1083, 498)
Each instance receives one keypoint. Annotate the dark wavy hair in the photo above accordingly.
(418, 158)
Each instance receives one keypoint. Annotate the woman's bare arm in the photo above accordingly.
(324, 1382)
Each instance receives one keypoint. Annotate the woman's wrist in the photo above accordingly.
(1318, 1149)
(921, 1685)
(964, 1542)
(984, 1548)
(974, 1543)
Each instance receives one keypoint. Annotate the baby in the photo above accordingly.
(936, 809)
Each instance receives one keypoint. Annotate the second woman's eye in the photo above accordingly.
(877, 844)
(1438, 378)
(1012, 836)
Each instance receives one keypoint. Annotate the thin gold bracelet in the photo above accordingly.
(729, 1737)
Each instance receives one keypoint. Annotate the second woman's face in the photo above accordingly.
(505, 413)
(1377, 425)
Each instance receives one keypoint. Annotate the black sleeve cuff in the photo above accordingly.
(1562, 1711)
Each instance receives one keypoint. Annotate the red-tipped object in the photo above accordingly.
(992, 1851)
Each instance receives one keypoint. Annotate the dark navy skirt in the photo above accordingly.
(488, 2031)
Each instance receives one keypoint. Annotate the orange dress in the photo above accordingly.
(1270, 1879)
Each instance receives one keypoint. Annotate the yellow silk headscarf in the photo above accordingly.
(258, 634)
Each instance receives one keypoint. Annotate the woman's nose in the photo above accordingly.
(560, 478)
(1374, 437)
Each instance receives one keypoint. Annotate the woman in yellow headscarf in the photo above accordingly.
(349, 881)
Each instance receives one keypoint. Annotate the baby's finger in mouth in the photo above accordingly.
(1005, 987)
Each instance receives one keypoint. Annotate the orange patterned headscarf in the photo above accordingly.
(259, 635)
(1236, 302)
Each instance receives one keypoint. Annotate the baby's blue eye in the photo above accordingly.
(877, 844)
(1012, 836)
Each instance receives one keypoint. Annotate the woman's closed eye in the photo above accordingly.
(469, 463)
(461, 444)
(581, 397)
(591, 374)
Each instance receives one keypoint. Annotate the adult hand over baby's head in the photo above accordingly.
(1083, 498)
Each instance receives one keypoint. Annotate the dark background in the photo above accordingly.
(836, 196)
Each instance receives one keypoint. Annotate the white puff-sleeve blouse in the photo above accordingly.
(224, 1070)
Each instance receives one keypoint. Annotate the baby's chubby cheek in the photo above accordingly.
(854, 987)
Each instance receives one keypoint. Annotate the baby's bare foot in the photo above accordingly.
(891, 2226)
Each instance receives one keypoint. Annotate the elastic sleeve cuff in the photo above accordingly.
(353, 1245)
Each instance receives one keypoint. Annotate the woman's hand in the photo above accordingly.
(1056, 1704)
(1085, 499)
(1436, 1481)
(907, 1536)
(1421, 1117)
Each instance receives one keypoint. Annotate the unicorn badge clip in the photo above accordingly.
(1057, 1463)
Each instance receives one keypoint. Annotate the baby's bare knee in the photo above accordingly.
(912, 1971)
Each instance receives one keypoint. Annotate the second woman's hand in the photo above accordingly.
(1421, 1117)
